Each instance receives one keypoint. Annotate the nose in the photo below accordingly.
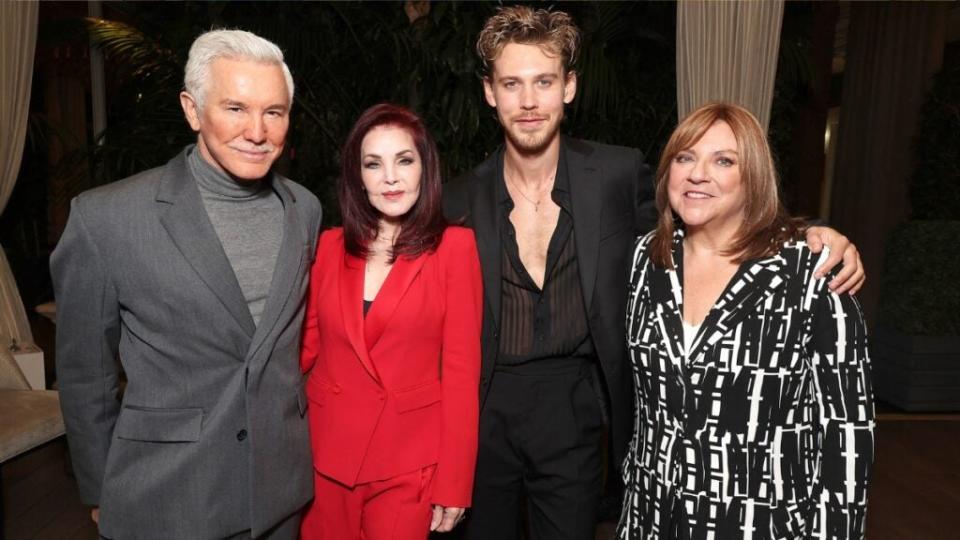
(528, 99)
(256, 129)
(698, 174)
(390, 174)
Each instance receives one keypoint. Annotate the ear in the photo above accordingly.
(570, 87)
(488, 92)
(190, 110)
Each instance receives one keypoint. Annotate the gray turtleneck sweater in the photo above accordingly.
(248, 219)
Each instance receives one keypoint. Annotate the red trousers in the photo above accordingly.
(398, 508)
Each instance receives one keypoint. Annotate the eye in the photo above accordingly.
(406, 161)
(683, 158)
(510, 84)
(371, 165)
(234, 108)
(725, 162)
(544, 83)
(275, 113)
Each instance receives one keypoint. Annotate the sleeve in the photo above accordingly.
(460, 372)
(310, 340)
(645, 206)
(88, 333)
(841, 373)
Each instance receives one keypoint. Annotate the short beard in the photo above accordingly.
(532, 144)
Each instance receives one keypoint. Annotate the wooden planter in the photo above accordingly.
(916, 373)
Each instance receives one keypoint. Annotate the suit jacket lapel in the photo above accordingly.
(666, 296)
(401, 275)
(188, 225)
(287, 269)
(351, 306)
(584, 176)
(486, 226)
(753, 283)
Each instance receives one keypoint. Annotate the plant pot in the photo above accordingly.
(916, 373)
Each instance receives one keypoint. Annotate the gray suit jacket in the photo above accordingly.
(210, 438)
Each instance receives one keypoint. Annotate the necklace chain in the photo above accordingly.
(535, 203)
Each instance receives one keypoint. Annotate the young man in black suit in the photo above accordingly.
(554, 219)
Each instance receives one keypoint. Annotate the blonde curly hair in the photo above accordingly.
(553, 31)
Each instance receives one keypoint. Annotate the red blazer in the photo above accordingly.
(398, 390)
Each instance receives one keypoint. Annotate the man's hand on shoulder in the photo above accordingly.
(851, 276)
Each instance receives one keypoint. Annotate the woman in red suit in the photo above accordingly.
(392, 345)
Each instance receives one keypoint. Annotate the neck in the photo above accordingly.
(217, 182)
(387, 230)
(532, 168)
(710, 241)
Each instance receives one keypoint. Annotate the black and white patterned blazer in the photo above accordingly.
(766, 429)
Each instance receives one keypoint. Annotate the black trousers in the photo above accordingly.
(540, 437)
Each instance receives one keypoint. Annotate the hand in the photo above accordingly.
(851, 276)
(445, 519)
(95, 514)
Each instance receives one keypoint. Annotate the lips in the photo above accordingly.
(697, 195)
(531, 121)
(392, 195)
(253, 155)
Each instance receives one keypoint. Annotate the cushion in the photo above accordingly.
(29, 419)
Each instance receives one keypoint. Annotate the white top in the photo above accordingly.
(689, 332)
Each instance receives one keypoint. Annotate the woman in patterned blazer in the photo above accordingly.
(754, 408)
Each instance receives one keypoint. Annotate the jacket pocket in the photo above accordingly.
(318, 388)
(417, 397)
(159, 425)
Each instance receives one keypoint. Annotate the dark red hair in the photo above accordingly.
(422, 226)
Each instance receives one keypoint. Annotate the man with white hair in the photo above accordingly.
(192, 276)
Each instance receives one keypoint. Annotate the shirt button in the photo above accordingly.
(241, 435)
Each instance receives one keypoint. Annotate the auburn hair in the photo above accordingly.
(421, 228)
(766, 223)
(553, 31)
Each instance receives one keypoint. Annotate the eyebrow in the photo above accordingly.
(234, 103)
(544, 75)
(715, 152)
(400, 153)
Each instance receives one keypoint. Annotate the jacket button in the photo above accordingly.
(241, 435)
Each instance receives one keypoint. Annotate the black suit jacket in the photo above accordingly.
(612, 202)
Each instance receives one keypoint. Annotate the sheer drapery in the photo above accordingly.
(727, 51)
(18, 34)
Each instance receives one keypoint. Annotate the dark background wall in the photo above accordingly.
(346, 56)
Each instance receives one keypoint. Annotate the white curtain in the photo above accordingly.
(727, 51)
(18, 35)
